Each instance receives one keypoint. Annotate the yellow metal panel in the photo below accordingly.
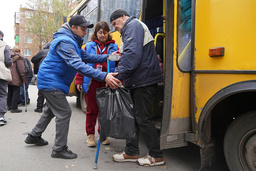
(180, 95)
(181, 83)
(116, 36)
(225, 23)
(207, 85)
(72, 88)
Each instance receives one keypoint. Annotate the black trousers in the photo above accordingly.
(142, 99)
(13, 97)
(40, 100)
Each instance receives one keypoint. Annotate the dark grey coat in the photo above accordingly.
(138, 66)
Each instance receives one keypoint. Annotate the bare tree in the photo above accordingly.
(47, 17)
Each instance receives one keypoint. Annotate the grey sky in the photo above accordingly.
(8, 9)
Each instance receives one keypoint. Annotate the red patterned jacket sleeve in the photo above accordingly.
(79, 78)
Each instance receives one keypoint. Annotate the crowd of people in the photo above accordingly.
(64, 58)
(16, 74)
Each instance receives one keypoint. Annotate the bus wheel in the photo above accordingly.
(83, 101)
(240, 143)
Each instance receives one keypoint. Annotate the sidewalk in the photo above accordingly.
(18, 156)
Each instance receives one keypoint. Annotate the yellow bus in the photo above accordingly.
(208, 96)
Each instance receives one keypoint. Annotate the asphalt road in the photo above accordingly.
(18, 156)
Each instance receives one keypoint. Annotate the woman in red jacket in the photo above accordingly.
(101, 43)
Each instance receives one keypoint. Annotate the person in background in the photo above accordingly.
(5, 75)
(140, 71)
(102, 43)
(37, 60)
(29, 75)
(64, 59)
(18, 72)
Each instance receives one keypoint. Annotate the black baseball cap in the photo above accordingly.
(79, 20)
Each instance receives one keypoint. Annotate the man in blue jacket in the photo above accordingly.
(140, 71)
(64, 59)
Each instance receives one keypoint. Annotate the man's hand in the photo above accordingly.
(79, 87)
(116, 53)
(111, 81)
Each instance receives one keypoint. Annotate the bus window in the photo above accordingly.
(90, 13)
(184, 35)
(107, 6)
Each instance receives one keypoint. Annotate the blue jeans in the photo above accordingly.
(22, 98)
(142, 99)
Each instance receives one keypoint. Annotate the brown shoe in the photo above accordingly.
(106, 142)
(91, 141)
(122, 157)
(151, 161)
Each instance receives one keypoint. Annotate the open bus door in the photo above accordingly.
(175, 119)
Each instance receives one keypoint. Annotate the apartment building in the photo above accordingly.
(24, 39)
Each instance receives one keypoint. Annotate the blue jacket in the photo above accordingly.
(138, 66)
(64, 59)
(91, 48)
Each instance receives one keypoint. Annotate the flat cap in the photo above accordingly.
(117, 13)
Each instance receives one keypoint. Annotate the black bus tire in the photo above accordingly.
(240, 141)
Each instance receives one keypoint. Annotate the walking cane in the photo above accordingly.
(24, 87)
(97, 155)
(98, 146)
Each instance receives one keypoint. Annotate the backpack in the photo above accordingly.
(28, 67)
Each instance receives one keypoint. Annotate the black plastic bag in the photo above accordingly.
(116, 115)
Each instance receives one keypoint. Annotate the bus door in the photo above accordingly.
(176, 120)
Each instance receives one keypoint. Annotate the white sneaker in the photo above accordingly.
(3, 121)
(151, 161)
(122, 157)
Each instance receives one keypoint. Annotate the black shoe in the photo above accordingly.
(38, 110)
(16, 110)
(9, 108)
(65, 153)
(39, 141)
(3, 121)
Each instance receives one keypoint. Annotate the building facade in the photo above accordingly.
(23, 39)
